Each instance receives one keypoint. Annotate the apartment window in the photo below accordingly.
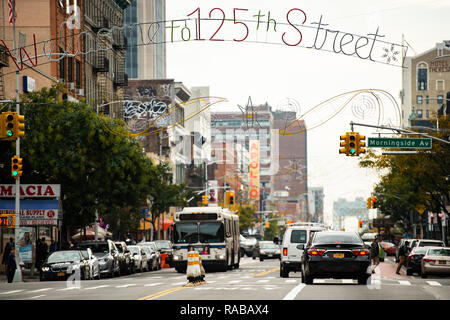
(62, 67)
(70, 69)
(428, 114)
(422, 77)
(78, 74)
(419, 113)
(419, 100)
(440, 85)
(440, 99)
(427, 99)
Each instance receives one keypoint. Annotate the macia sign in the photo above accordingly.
(31, 190)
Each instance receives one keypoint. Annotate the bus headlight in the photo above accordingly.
(176, 258)
(220, 256)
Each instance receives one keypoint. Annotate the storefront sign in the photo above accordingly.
(31, 190)
(34, 212)
(254, 169)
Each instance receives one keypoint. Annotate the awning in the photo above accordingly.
(90, 233)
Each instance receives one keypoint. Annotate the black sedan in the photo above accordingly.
(335, 254)
(60, 265)
(414, 260)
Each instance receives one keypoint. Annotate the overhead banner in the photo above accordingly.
(213, 193)
(31, 190)
(254, 169)
(34, 212)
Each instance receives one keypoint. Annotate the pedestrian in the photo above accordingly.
(11, 265)
(53, 246)
(8, 247)
(402, 255)
(374, 253)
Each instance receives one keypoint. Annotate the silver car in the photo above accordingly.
(140, 259)
(154, 252)
(94, 267)
(436, 261)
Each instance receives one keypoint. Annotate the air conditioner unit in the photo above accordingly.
(80, 92)
(71, 86)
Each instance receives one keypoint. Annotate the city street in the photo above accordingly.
(254, 280)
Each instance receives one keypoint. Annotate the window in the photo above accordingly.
(298, 236)
(422, 77)
(210, 232)
(440, 99)
(427, 99)
(428, 114)
(78, 74)
(70, 69)
(334, 238)
(419, 113)
(419, 99)
(440, 85)
(62, 66)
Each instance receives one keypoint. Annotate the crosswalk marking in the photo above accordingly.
(291, 281)
(10, 292)
(404, 282)
(153, 284)
(179, 283)
(40, 296)
(263, 281)
(126, 285)
(434, 283)
(97, 287)
(69, 288)
(235, 281)
(40, 290)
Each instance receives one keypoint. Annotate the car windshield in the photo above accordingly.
(134, 249)
(337, 238)
(146, 249)
(210, 232)
(85, 254)
(439, 252)
(420, 250)
(163, 244)
(268, 245)
(119, 247)
(430, 244)
(185, 233)
(96, 247)
(64, 256)
(153, 246)
(298, 236)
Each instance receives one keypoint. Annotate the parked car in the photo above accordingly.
(414, 260)
(389, 248)
(436, 261)
(94, 266)
(139, 256)
(60, 265)
(151, 258)
(429, 243)
(126, 259)
(154, 250)
(401, 243)
(107, 254)
(411, 245)
(267, 250)
(335, 254)
(165, 248)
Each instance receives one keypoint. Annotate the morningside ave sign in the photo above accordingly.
(406, 143)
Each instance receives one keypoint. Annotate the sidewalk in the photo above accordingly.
(26, 276)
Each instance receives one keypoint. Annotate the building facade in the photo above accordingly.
(426, 86)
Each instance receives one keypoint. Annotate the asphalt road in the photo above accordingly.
(254, 280)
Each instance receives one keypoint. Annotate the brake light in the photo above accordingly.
(316, 252)
(284, 251)
(360, 252)
(429, 260)
(412, 257)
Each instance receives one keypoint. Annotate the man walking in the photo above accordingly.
(402, 256)
(374, 252)
(7, 250)
(11, 265)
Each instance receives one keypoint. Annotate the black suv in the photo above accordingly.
(335, 254)
(126, 260)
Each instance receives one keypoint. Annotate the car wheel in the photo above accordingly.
(284, 273)
(261, 259)
(409, 272)
(423, 275)
(362, 280)
(308, 279)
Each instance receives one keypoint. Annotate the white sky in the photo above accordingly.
(272, 73)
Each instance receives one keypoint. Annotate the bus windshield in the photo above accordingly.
(210, 232)
(185, 233)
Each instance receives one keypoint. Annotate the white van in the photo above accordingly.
(294, 240)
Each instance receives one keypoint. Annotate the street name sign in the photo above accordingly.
(406, 143)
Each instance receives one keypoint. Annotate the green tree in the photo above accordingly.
(246, 217)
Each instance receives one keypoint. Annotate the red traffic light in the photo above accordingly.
(374, 202)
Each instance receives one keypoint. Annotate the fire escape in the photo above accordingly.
(4, 62)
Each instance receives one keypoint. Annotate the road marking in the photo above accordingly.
(347, 280)
(98, 287)
(235, 281)
(40, 296)
(434, 283)
(10, 292)
(294, 292)
(40, 290)
(266, 272)
(162, 293)
(126, 285)
(153, 284)
(249, 289)
(290, 281)
(404, 282)
(179, 283)
(69, 288)
(261, 281)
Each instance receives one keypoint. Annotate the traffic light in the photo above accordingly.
(16, 167)
(374, 202)
(229, 198)
(369, 203)
(19, 122)
(349, 143)
(205, 199)
(360, 144)
(360, 224)
(267, 224)
(12, 125)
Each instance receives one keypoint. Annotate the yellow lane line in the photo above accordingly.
(161, 293)
(266, 272)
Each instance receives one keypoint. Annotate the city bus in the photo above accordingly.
(212, 231)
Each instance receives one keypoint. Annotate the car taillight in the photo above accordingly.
(429, 260)
(412, 257)
(316, 252)
(360, 252)
(284, 251)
